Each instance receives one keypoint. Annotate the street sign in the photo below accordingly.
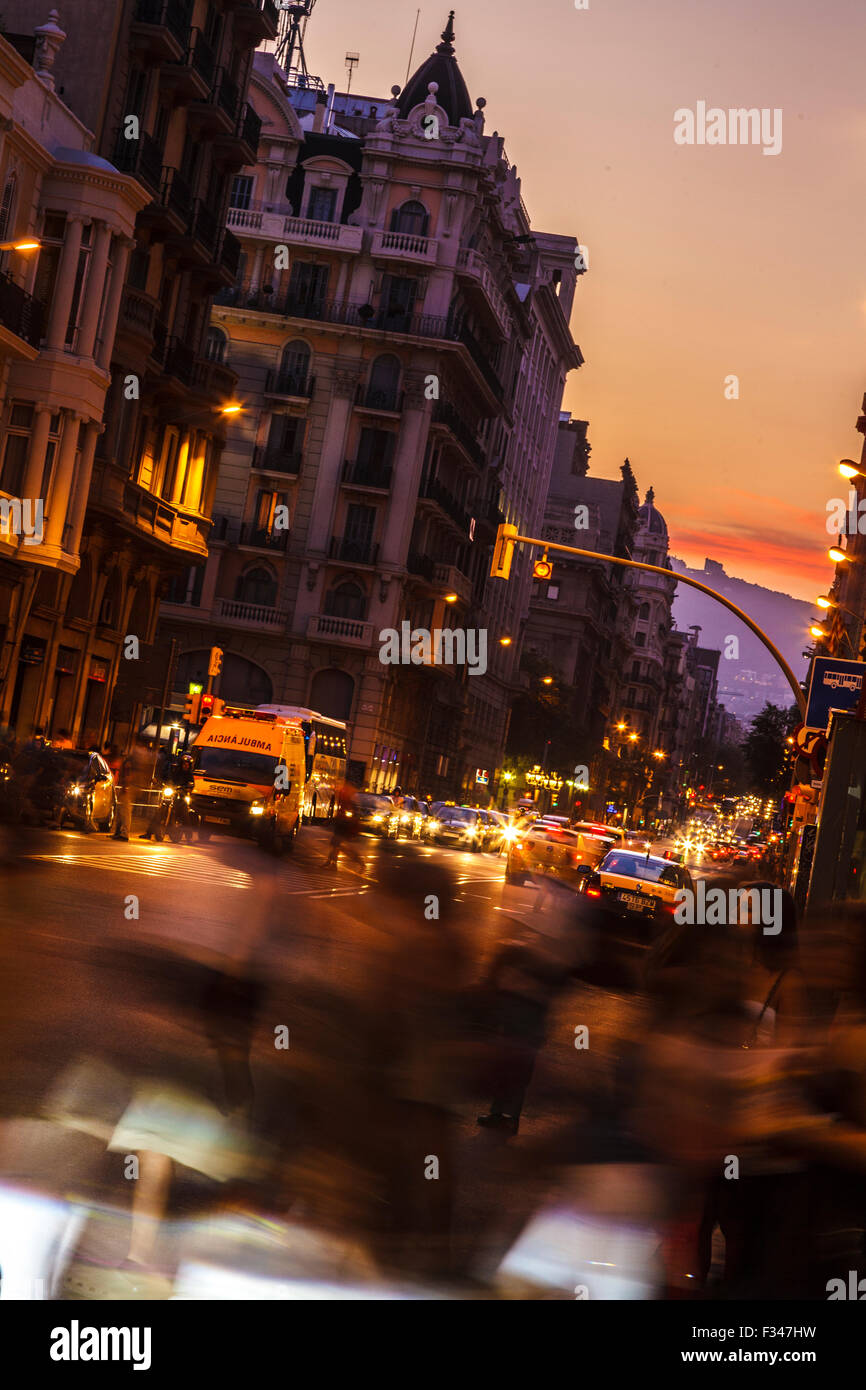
(834, 684)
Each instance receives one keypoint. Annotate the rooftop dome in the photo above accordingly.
(649, 517)
(441, 67)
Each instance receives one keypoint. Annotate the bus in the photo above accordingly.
(325, 747)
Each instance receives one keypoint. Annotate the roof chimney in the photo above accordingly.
(319, 113)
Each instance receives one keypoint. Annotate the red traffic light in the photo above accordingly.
(542, 569)
(205, 707)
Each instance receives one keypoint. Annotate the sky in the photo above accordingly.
(705, 261)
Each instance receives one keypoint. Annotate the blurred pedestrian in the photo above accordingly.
(135, 775)
(345, 828)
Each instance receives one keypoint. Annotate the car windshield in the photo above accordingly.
(369, 801)
(457, 813)
(236, 765)
(637, 866)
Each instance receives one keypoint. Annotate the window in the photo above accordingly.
(166, 475)
(186, 587)
(398, 302)
(294, 367)
(358, 533)
(644, 612)
(7, 210)
(640, 639)
(322, 205)
(411, 218)
(266, 507)
(284, 437)
(17, 447)
(376, 447)
(553, 592)
(215, 345)
(242, 191)
(258, 585)
(384, 383)
(308, 287)
(346, 601)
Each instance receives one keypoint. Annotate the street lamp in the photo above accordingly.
(547, 680)
(633, 738)
(31, 244)
(818, 631)
(232, 408)
(505, 641)
(849, 469)
(837, 554)
(451, 598)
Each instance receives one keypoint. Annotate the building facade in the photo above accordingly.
(401, 338)
(161, 84)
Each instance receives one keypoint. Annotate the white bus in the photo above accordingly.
(325, 747)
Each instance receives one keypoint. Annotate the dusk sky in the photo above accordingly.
(705, 261)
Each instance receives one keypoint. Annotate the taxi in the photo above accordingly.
(555, 850)
(642, 887)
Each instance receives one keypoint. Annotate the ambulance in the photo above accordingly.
(249, 776)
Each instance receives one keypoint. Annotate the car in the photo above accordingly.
(459, 826)
(554, 851)
(409, 818)
(640, 887)
(501, 832)
(67, 784)
(376, 813)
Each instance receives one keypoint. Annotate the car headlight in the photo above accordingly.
(377, 820)
(74, 790)
(433, 825)
(168, 791)
(404, 820)
(257, 808)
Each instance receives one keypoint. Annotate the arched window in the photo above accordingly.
(331, 693)
(294, 367)
(383, 383)
(412, 217)
(348, 600)
(215, 345)
(258, 585)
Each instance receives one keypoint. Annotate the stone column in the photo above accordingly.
(65, 285)
(82, 488)
(123, 247)
(331, 458)
(36, 457)
(62, 488)
(94, 290)
(406, 475)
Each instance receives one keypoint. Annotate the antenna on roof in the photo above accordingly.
(412, 49)
(293, 16)
(352, 61)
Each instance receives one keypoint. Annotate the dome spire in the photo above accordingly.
(447, 36)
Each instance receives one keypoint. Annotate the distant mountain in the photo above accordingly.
(748, 680)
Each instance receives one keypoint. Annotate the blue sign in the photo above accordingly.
(834, 684)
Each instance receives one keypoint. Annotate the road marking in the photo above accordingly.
(209, 873)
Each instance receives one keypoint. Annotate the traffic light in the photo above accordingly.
(215, 664)
(542, 569)
(191, 709)
(503, 552)
(205, 708)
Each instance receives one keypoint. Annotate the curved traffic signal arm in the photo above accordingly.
(507, 537)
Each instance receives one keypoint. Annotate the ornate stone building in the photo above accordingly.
(401, 339)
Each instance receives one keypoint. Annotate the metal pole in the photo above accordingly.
(682, 579)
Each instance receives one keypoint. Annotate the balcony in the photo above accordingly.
(192, 76)
(354, 552)
(21, 316)
(361, 473)
(236, 613)
(160, 28)
(452, 580)
(171, 209)
(257, 18)
(151, 515)
(204, 228)
(482, 360)
(229, 257)
(240, 145)
(434, 491)
(472, 267)
(445, 414)
(227, 531)
(349, 632)
(281, 461)
(422, 565)
(309, 231)
(212, 379)
(404, 246)
(138, 314)
(142, 158)
(289, 384)
(380, 402)
(218, 112)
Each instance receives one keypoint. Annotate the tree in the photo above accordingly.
(764, 748)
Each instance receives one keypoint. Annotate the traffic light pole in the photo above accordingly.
(507, 538)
